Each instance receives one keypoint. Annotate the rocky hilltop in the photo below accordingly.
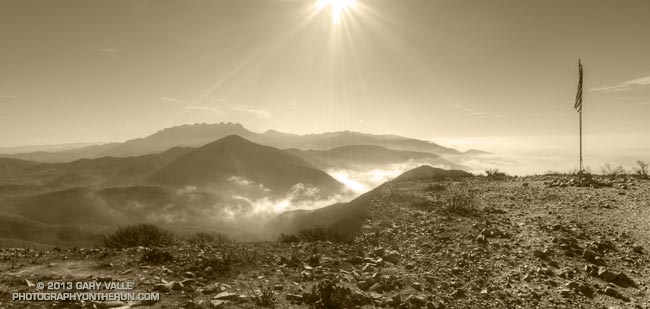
(462, 242)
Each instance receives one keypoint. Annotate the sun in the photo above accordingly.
(338, 6)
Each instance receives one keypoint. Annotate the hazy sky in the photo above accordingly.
(112, 70)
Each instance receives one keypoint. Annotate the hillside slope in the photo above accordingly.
(347, 218)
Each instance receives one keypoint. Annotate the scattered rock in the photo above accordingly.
(458, 293)
(392, 256)
(606, 275)
(616, 294)
(177, 286)
(29, 283)
(364, 285)
(226, 296)
(161, 287)
(539, 254)
(591, 256)
(580, 287)
(294, 298)
(418, 301)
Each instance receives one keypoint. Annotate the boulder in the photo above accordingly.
(615, 293)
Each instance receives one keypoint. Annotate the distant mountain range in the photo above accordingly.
(226, 164)
(187, 188)
(201, 134)
(36, 148)
(196, 177)
(99, 172)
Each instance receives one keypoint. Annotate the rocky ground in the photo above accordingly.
(536, 242)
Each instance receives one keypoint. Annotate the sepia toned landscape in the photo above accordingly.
(324, 154)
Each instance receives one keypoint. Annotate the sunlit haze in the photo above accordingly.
(480, 74)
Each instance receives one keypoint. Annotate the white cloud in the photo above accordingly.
(173, 100)
(626, 86)
(194, 107)
(205, 109)
(469, 110)
(243, 108)
(258, 112)
(644, 81)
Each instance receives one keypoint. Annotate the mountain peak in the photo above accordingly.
(212, 165)
(277, 134)
(232, 139)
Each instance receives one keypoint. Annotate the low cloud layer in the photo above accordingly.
(527, 155)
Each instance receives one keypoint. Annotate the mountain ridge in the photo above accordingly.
(197, 135)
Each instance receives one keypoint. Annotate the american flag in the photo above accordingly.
(578, 105)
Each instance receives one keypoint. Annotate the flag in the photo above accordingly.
(578, 105)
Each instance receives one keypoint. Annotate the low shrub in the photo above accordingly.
(460, 203)
(222, 243)
(642, 170)
(146, 235)
(206, 239)
(247, 254)
(331, 295)
(495, 174)
(612, 171)
(265, 296)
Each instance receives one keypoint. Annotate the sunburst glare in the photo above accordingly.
(338, 7)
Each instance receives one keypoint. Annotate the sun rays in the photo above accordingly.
(340, 48)
(339, 7)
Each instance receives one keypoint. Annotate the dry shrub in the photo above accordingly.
(145, 235)
(642, 170)
(612, 171)
(460, 203)
(332, 295)
(264, 296)
(219, 242)
(495, 174)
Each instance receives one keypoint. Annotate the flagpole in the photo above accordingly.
(580, 140)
